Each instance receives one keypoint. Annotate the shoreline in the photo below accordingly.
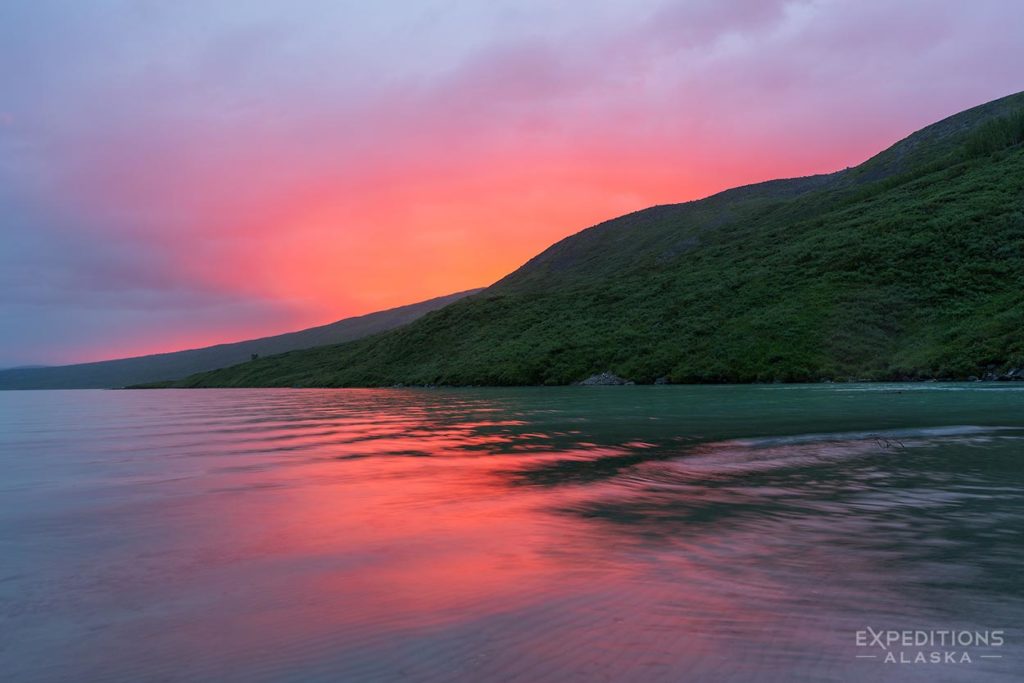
(173, 385)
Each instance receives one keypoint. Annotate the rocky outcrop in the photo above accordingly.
(1009, 375)
(993, 374)
(605, 379)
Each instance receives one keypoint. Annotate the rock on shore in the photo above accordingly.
(605, 379)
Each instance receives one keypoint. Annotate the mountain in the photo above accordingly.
(908, 266)
(163, 366)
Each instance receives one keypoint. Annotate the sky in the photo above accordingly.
(177, 174)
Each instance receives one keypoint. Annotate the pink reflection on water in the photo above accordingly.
(388, 535)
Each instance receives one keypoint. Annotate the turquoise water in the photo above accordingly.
(559, 534)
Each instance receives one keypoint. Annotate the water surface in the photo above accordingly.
(562, 534)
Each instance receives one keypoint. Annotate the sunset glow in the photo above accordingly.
(174, 175)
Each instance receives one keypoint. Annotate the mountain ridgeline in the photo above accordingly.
(162, 366)
(909, 266)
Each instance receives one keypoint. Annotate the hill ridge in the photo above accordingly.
(171, 365)
(909, 265)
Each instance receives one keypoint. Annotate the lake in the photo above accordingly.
(714, 533)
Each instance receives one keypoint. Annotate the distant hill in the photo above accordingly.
(910, 265)
(162, 366)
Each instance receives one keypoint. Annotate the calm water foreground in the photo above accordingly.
(569, 534)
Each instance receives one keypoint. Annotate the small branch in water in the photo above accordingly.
(885, 442)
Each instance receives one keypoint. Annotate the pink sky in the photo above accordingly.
(174, 175)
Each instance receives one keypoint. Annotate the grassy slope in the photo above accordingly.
(910, 265)
(124, 371)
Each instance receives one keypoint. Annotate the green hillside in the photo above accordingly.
(910, 265)
(124, 371)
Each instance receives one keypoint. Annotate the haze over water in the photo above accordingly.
(718, 533)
